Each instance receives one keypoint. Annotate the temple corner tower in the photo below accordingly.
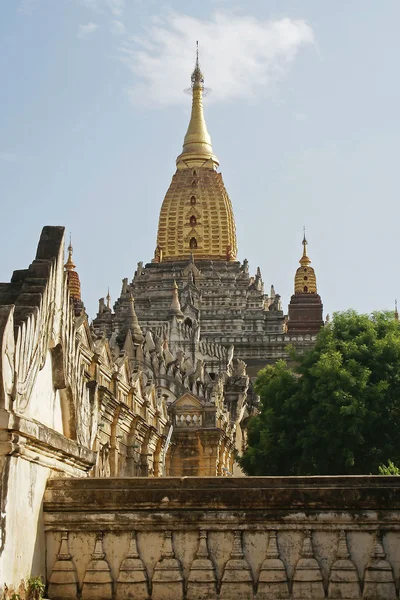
(305, 308)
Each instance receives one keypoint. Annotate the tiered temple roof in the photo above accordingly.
(195, 266)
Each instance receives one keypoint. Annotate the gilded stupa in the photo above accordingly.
(305, 281)
(196, 216)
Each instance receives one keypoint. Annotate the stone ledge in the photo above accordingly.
(277, 494)
(222, 521)
(40, 444)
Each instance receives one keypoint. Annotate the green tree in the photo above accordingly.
(338, 410)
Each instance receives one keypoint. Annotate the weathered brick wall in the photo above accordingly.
(226, 538)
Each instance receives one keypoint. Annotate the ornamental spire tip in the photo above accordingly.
(305, 259)
(69, 265)
(197, 75)
(197, 147)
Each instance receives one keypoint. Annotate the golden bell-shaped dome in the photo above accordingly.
(305, 281)
(196, 217)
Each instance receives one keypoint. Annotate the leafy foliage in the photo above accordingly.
(35, 588)
(338, 410)
(390, 469)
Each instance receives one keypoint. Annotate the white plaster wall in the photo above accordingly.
(44, 404)
(24, 533)
(31, 395)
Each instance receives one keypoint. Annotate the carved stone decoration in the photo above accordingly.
(167, 576)
(97, 582)
(132, 582)
(7, 345)
(343, 579)
(63, 579)
(378, 575)
(237, 580)
(202, 581)
(273, 581)
(104, 460)
(307, 578)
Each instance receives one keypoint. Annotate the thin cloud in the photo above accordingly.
(8, 156)
(96, 5)
(85, 31)
(117, 27)
(26, 6)
(116, 7)
(238, 54)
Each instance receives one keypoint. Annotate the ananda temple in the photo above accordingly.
(105, 421)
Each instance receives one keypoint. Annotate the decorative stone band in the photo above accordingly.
(286, 572)
(199, 256)
(223, 538)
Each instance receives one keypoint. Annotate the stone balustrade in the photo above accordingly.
(223, 538)
(188, 420)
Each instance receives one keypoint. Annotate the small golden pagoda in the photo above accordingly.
(305, 308)
(196, 216)
(73, 282)
(305, 281)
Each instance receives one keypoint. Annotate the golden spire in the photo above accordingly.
(304, 261)
(197, 148)
(73, 282)
(305, 281)
(70, 265)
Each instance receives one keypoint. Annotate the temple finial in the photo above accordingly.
(396, 313)
(69, 265)
(108, 298)
(197, 75)
(73, 282)
(197, 148)
(304, 261)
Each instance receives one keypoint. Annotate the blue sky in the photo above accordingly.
(303, 117)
